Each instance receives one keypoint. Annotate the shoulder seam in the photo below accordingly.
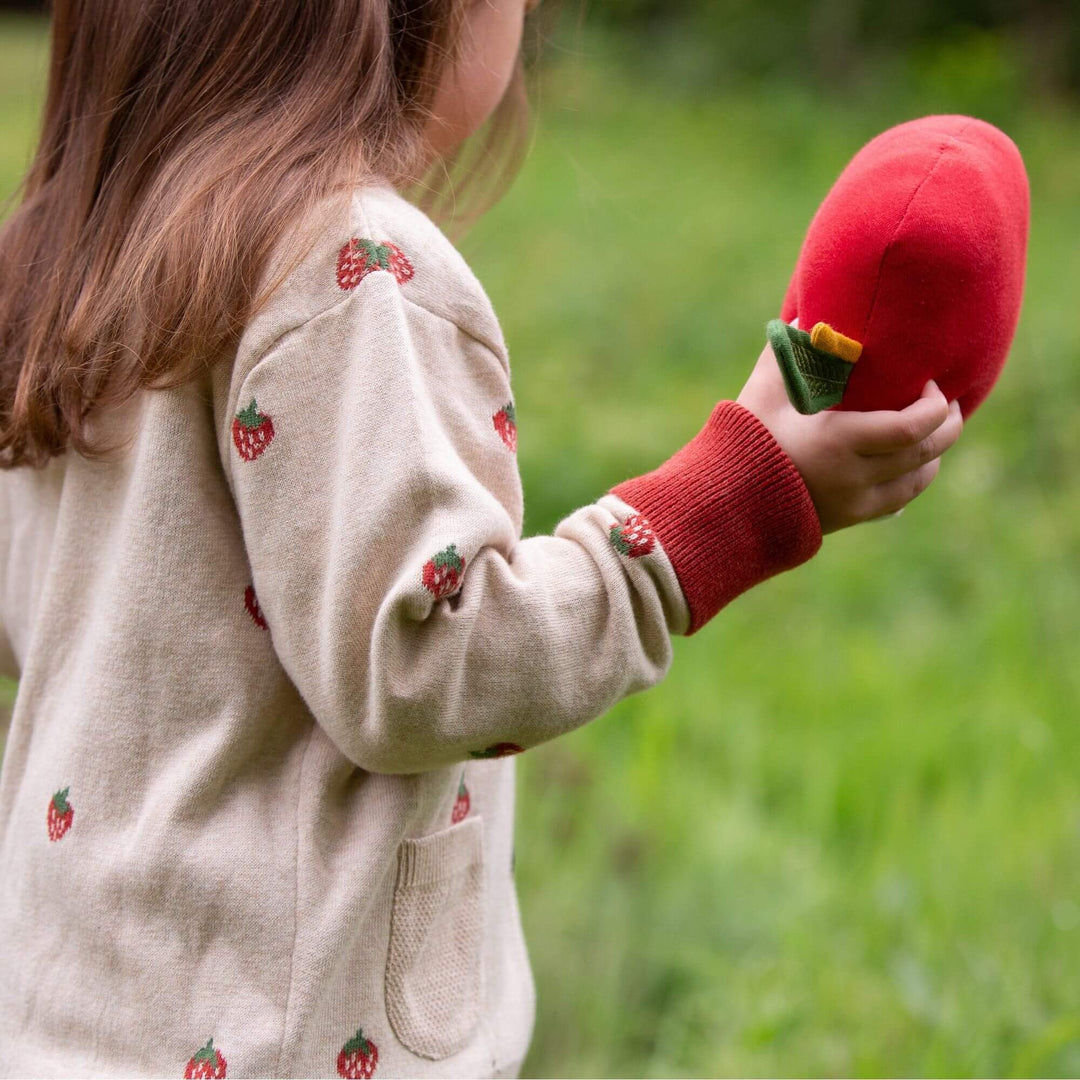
(464, 329)
(289, 331)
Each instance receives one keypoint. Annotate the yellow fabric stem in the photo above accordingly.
(824, 337)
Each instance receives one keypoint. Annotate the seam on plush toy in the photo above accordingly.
(951, 138)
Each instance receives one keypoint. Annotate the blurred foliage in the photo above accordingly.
(843, 836)
(836, 45)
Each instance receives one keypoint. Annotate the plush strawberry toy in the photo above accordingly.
(912, 269)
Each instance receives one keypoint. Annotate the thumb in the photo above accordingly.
(768, 381)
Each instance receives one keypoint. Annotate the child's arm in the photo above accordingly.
(387, 483)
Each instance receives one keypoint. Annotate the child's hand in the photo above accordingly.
(856, 465)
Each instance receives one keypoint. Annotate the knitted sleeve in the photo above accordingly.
(374, 469)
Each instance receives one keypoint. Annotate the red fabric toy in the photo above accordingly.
(915, 264)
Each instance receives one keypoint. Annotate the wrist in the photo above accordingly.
(730, 509)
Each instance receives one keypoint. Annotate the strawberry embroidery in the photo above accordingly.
(60, 815)
(357, 1058)
(442, 573)
(207, 1064)
(461, 803)
(634, 537)
(499, 749)
(505, 421)
(251, 602)
(252, 431)
(358, 258)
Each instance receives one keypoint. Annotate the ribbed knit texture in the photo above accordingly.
(730, 510)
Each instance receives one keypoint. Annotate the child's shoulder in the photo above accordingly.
(331, 254)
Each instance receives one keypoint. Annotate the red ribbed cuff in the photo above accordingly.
(730, 510)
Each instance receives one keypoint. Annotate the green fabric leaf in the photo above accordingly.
(814, 379)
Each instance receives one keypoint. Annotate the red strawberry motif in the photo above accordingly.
(499, 749)
(506, 425)
(400, 266)
(252, 431)
(59, 815)
(442, 574)
(634, 537)
(207, 1064)
(358, 1058)
(461, 804)
(358, 258)
(251, 602)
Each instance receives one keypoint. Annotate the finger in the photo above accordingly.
(884, 431)
(884, 467)
(895, 494)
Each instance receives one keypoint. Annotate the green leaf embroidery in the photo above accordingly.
(250, 417)
(207, 1053)
(449, 557)
(618, 541)
(358, 1042)
(378, 254)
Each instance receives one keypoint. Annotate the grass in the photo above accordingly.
(843, 835)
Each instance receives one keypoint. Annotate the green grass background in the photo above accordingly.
(843, 835)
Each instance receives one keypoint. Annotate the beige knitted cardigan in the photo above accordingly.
(256, 806)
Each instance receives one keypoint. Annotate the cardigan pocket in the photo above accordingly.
(434, 966)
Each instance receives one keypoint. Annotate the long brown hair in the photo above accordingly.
(180, 139)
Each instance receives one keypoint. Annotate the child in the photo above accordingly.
(276, 646)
